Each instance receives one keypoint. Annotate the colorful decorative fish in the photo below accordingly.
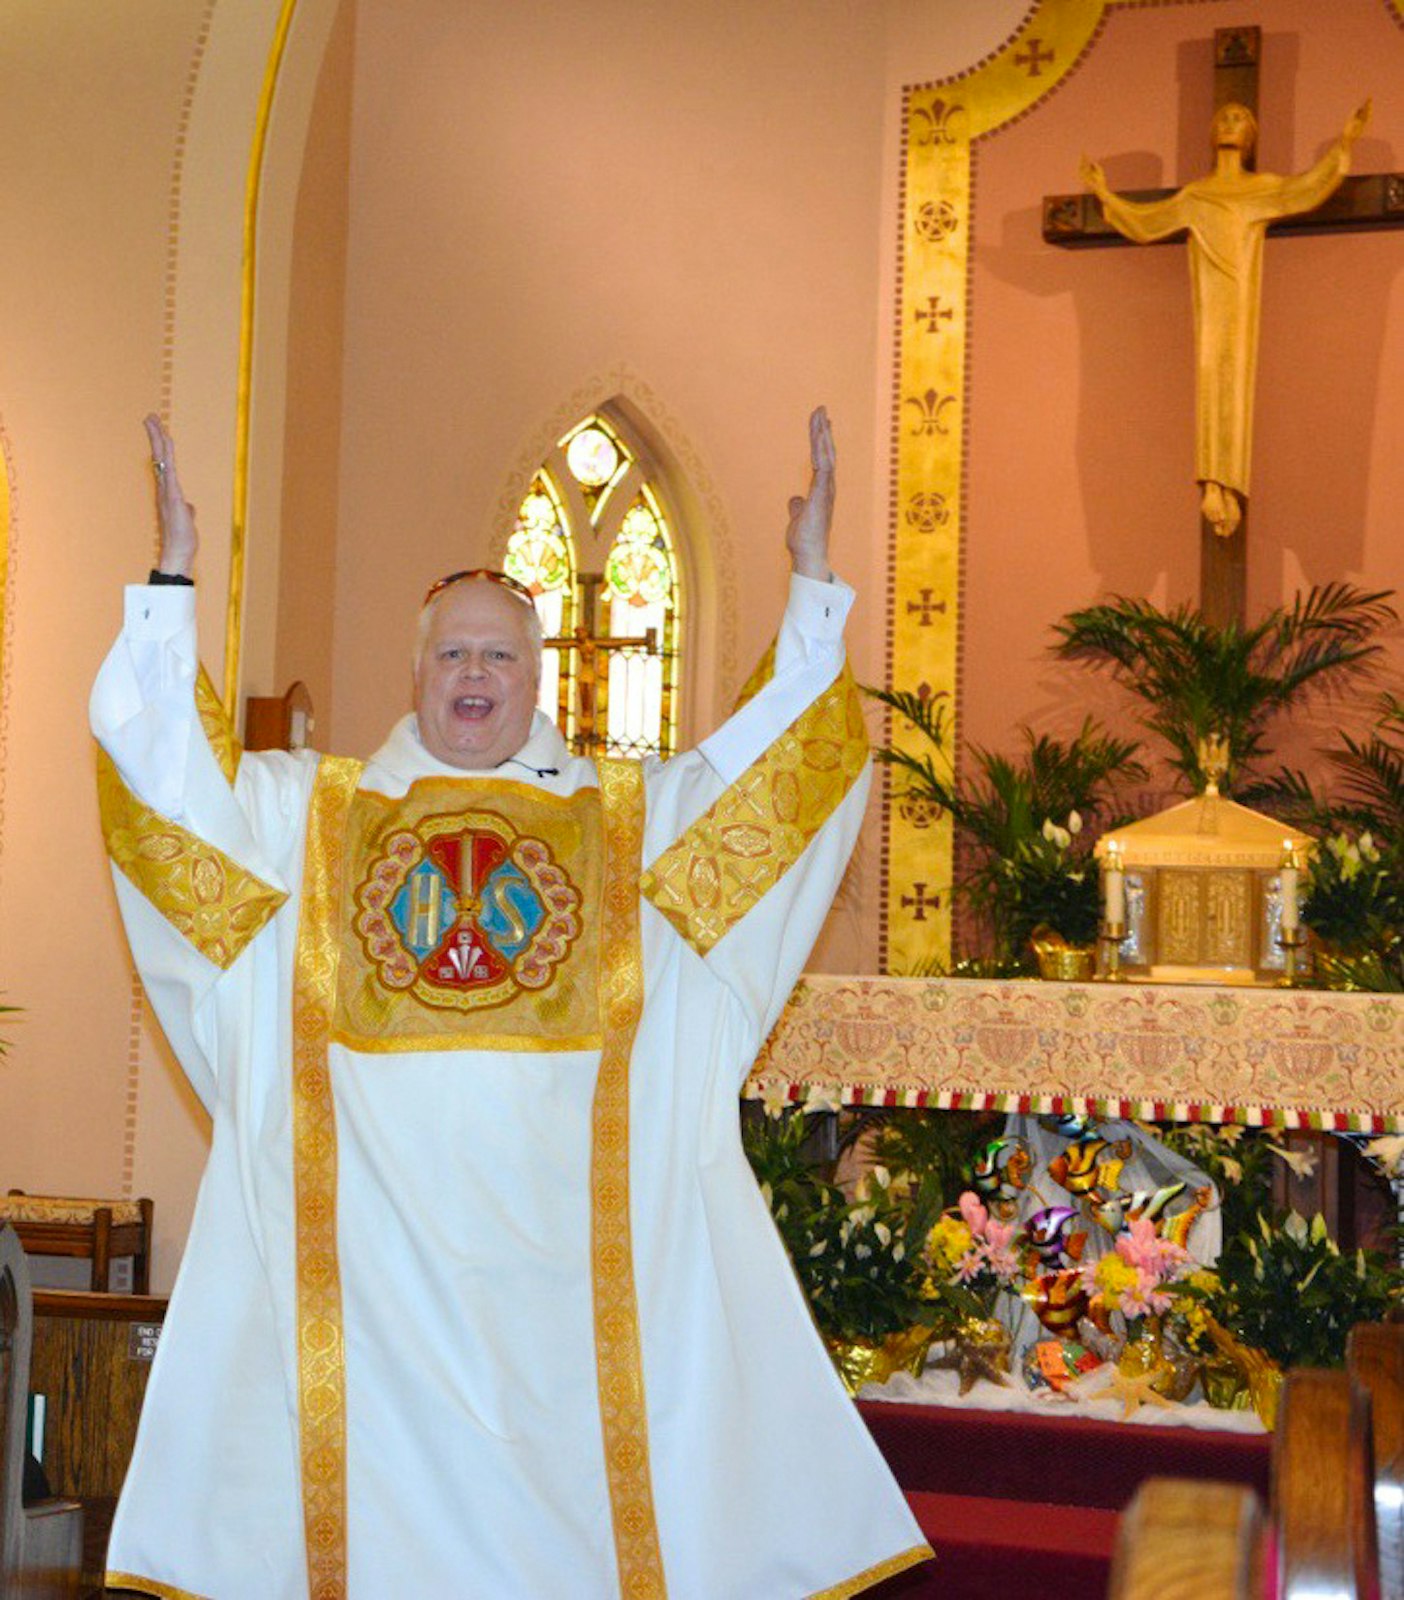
(1050, 1234)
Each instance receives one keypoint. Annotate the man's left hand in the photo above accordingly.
(811, 516)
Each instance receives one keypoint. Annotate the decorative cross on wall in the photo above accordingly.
(1366, 201)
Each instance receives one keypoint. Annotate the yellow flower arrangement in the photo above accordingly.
(947, 1242)
(1114, 1276)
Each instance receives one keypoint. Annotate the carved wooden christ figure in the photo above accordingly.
(1226, 215)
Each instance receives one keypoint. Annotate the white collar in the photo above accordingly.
(544, 755)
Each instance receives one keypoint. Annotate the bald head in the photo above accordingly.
(477, 668)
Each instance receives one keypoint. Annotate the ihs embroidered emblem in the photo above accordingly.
(465, 912)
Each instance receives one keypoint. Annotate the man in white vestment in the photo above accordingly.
(480, 1297)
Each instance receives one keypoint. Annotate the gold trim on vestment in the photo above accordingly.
(204, 894)
(320, 1339)
(871, 1575)
(761, 674)
(163, 1591)
(461, 1039)
(618, 1346)
(741, 847)
(219, 731)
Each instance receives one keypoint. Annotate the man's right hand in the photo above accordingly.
(179, 540)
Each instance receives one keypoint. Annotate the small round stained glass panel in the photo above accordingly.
(592, 456)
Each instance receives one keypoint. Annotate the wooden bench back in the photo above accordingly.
(1185, 1539)
(1323, 1494)
(1375, 1357)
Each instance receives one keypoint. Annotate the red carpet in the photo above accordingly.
(1017, 1505)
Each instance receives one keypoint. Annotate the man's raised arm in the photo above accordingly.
(179, 540)
(812, 515)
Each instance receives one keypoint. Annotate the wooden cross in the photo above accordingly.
(591, 684)
(1373, 200)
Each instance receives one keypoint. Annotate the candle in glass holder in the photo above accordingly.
(1114, 886)
(1287, 877)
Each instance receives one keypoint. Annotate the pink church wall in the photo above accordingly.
(1081, 450)
(691, 194)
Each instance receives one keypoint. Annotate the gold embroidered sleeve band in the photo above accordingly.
(761, 674)
(218, 728)
(740, 849)
(215, 903)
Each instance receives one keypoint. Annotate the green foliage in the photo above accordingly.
(1053, 882)
(1197, 680)
(1354, 899)
(1368, 793)
(859, 1262)
(1237, 1159)
(1288, 1290)
(1031, 859)
(940, 1145)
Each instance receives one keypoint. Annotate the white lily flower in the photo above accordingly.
(776, 1099)
(1074, 823)
(1388, 1152)
(1302, 1162)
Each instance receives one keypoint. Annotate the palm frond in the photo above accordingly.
(1195, 679)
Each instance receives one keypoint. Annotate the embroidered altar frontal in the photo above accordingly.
(1287, 1058)
(471, 919)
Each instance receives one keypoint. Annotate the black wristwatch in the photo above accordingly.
(157, 576)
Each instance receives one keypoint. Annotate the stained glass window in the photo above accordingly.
(592, 542)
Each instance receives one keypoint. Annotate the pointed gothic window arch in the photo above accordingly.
(596, 543)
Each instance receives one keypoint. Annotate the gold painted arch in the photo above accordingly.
(941, 123)
(233, 635)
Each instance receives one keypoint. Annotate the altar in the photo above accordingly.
(1281, 1058)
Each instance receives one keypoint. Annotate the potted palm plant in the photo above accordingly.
(1354, 902)
(1028, 822)
(1199, 682)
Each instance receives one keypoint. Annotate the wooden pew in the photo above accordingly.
(1323, 1492)
(41, 1545)
(1375, 1357)
(1185, 1540)
(1337, 1516)
(92, 1357)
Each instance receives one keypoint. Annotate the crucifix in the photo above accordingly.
(1225, 216)
(591, 684)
